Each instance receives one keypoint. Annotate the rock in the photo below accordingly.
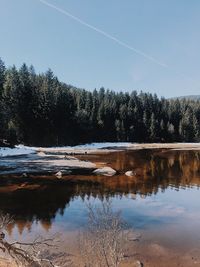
(59, 175)
(129, 173)
(62, 172)
(107, 171)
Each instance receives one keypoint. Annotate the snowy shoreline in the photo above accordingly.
(20, 150)
(25, 150)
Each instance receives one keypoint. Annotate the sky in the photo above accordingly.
(123, 45)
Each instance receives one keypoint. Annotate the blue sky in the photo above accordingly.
(166, 30)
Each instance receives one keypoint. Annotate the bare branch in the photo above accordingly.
(24, 253)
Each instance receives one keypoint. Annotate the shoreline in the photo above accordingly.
(66, 161)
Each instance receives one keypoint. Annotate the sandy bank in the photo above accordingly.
(123, 146)
(174, 146)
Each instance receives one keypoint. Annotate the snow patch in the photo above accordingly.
(16, 151)
(84, 146)
(102, 145)
(25, 150)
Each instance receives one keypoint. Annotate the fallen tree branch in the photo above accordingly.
(24, 253)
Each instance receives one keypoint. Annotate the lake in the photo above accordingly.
(161, 202)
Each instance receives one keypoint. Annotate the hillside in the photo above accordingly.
(188, 97)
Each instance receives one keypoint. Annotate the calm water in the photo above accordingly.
(162, 200)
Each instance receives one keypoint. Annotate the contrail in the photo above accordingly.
(118, 41)
(107, 35)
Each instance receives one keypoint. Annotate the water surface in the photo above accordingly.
(161, 200)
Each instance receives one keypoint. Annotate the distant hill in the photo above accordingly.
(188, 97)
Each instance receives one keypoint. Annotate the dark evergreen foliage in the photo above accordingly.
(40, 110)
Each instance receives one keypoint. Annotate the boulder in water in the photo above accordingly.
(59, 175)
(129, 173)
(107, 171)
(24, 175)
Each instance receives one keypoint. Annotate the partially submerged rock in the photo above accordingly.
(107, 171)
(59, 174)
(62, 172)
(129, 173)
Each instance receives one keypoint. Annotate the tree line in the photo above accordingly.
(38, 109)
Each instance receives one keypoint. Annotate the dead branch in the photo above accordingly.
(24, 253)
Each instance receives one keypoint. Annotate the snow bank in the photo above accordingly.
(85, 146)
(18, 150)
(102, 145)
(25, 150)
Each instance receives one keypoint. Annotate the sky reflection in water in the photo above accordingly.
(164, 193)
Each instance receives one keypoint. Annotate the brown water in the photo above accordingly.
(161, 201)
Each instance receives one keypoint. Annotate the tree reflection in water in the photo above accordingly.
(154, 170)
